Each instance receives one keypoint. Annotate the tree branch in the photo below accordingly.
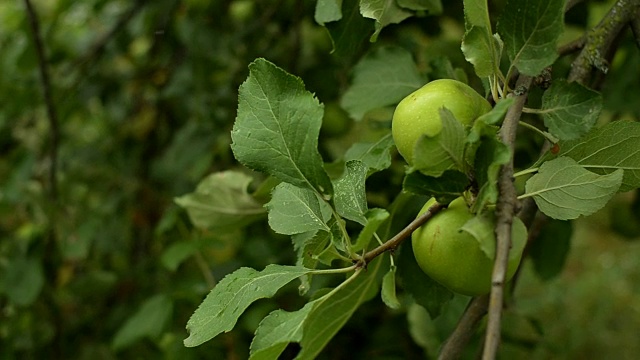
(395, 241)
(48, 99)
(506, 207)
(600, 39)
(456, 342)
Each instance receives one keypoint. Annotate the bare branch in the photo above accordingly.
(601, 38)
(54, 127)
(395, 241)
(506, 207)
(466, 327)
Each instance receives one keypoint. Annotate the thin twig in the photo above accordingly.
(601, 38)
(395, 241)
(456, 342)
(506, 207)
(54, 127)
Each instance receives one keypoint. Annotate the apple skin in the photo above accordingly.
(453, 257)
(418, 113)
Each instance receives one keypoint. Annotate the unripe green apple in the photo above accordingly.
(453, 257)
(419, 113)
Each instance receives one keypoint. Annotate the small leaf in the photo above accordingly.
(232, 295)
(377, 155)
(481, 227)
(530, 30)
(564, 190)
(606, 149)
(350, 197)
(350, 33)
(570, 110)
(328, 11)
(491, 118)
(388, 291)
(476, 13)
(277, 128)
(148, 321)
(550, 249)
(381, 78)
(384, 12)
(277, 330)
(482, 50)
(221, 202)
(433, 7)
(294, 210)
(445, 188)
(308, 247)
(490, 156)
(178, 252)
(445, 151)
(375, 217)
(329, 314)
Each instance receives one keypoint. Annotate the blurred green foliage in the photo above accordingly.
(146, 94)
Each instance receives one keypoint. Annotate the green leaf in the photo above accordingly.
(445, 188)
(328, 11)
(445, 151)
(530, 30)
(178, 252)
(22, 280)
(331, 313)
(277, 127)
(482, 50)
(221, 202)
(294, 210)
(481, 227)
(232, 295)
(480, 47)
(606, 149)
(350, 197)
(377, 155)
(564, 190)
(550, 249)
(476, 13)
(375, 218)
(148, 322)
(493, 117)
(433, 7)
(426, 292)
(277, 330)
(348, 35)
(318, 321)
(570, 110)
(384, 12)
(388, 291)
(382, 78)
(308, 247)
(490, 156)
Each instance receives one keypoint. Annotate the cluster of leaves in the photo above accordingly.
(276, 133)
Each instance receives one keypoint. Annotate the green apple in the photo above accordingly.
(453, 257)
(418, 114)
